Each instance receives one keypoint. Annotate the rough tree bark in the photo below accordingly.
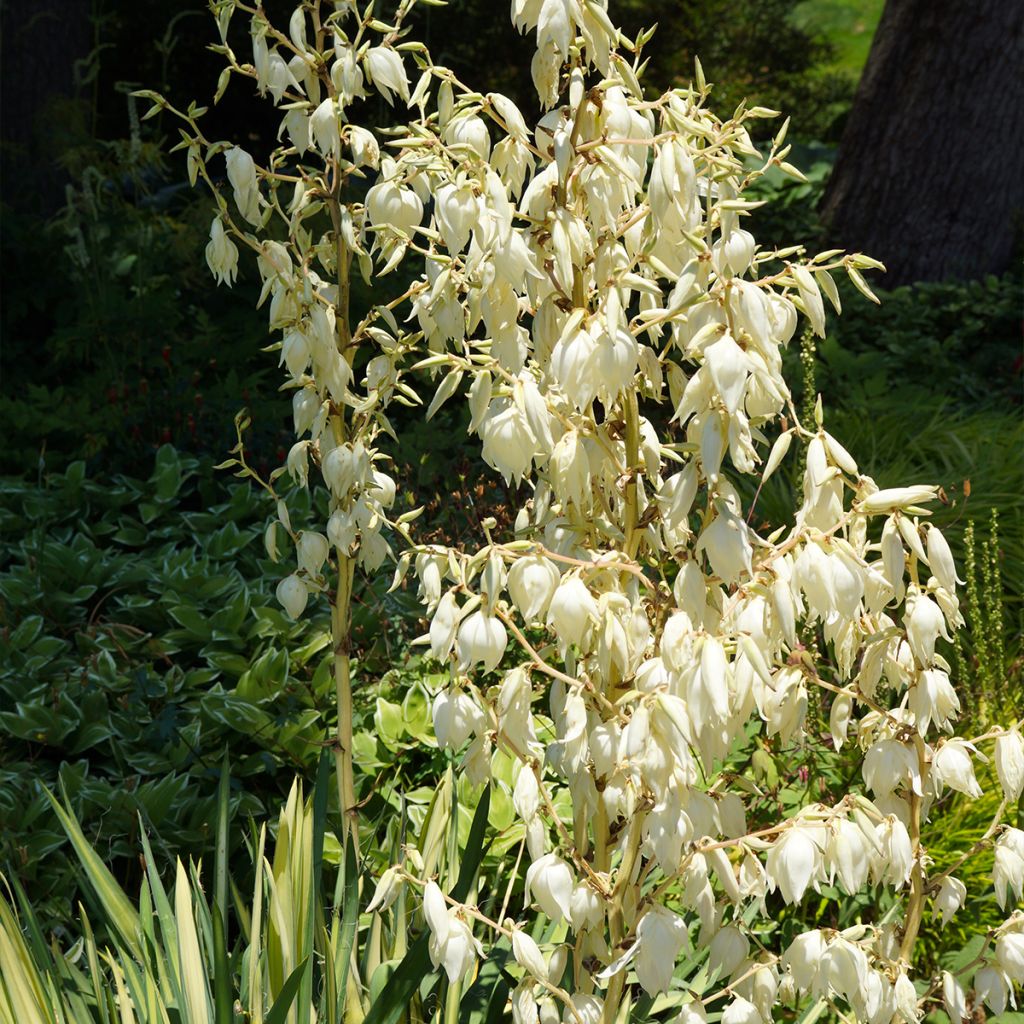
(930, 172)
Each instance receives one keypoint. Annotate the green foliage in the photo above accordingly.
(956, 339)
(139, 640)
(139, 350)
(291, 953)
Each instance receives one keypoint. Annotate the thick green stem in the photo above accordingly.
(341, 616)
(341, 622)
(915, 904)
(631, 411)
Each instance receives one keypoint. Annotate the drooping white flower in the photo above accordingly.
(847, 853)
(905, 998)
(531, 584)
(574, 365)
(387, 72)
(325, 128)
(481, 639)
(793, 862)
(528, 954)
(952, 766)
(727, 951)
(954, 998)
(1009, 952)
(729, 368)
(242, 176)
(940, 558)
(741, 1011)
(1009, 758)
(925, 624)
(585, 1009)
(1008, 870)
(387, 890)
(452, 944)
(949, 899)
(312, 550)
(586, 909)
(549, 883)
(727, 544)
(991, 989)
(803, 959)
(894, 864)
(933, 699)
(388, 205)
(572, 610)
(570, 470)
(660, 936)
(293, 595)
(443, 625)
(456, 717)
(508, 442)
(221, 254)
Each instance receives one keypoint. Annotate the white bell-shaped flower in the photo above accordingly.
(387, 72)
(1009, 952)
(456, 717)
(572, 611)
(531, 585)
(933, 699)
(388, 205)
(570, 470)
(549, 883)
(954, 998)
(925, 624)
(803, 959)
(1008, 869)
(727, 951)
(325, 128)
(221, 254)
(312, 550)
(990, 988)
(949, 899)
(508, 442)
(574, 365)
(952, 766)
(586, 908)
(242, 176)
(443, 625)
(481, 639)
(452, 944)
(794, 861)
(615, 358)
(293, 595)
(1009, 758)
(457, 211)
(660, 936)
(940, 559)
(528, 954)
(741, 1011)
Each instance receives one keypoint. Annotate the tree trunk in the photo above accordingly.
(930, 173)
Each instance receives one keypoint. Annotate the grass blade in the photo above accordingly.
(285, 998)
(323, 778)
(117, 907)
(222, 997)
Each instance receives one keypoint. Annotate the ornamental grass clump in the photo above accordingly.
(585, 281)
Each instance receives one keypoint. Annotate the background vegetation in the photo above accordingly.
(140, 643)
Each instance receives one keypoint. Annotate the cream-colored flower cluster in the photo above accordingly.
(587, 283)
